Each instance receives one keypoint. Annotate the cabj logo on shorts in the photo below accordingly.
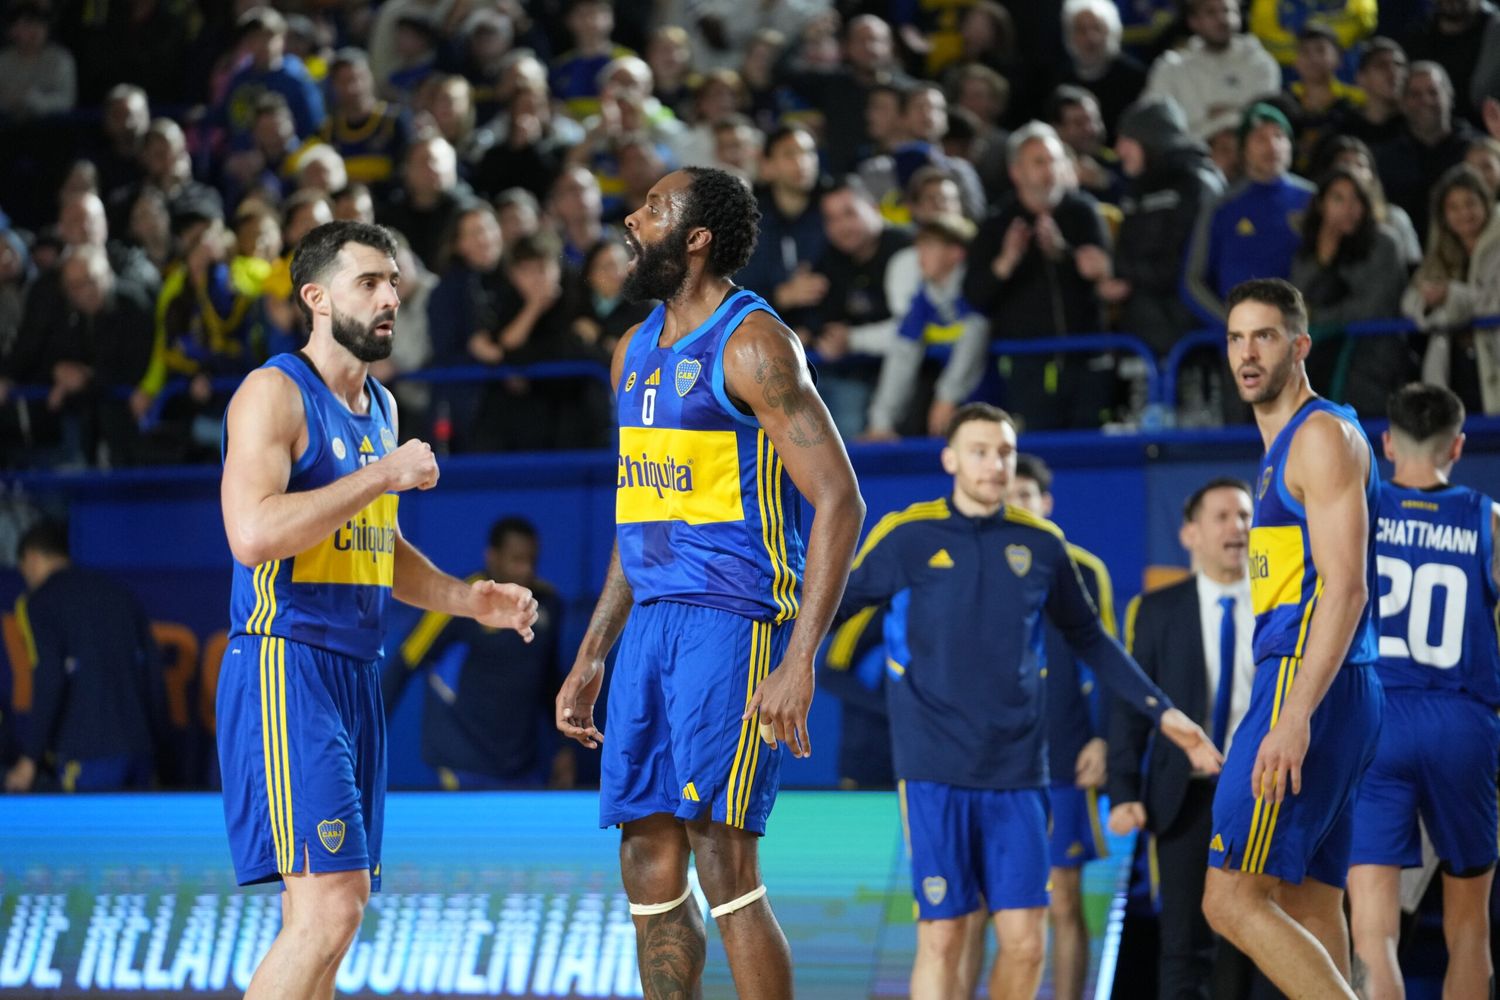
(1019, 557)
(331, 833)
(935, 887)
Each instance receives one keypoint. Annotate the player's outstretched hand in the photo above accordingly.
(575, 702)
(1126, 818)
(1192, 740)
(782, 700)
(504, 605)
(411, 466)
(1278, 762)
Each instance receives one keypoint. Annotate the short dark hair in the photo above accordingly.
(46, 537)
(853, 183)
(1194, 502)
(977, 411)
(1420, 412)
(1034, 468)
(1275, 292)
(722, 203)
(780, 132)
(1065, 96)
(507, 526)
(320, 248)
(1377, 44)
(533, 247)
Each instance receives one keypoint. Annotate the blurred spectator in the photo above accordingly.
(1280, 24)
(991, 40)
(576, 207)
(925, 292)
(1252, 231)
(1224, 149)
(723, 30)
(737, 145)
(487, 717)
(16, 272)
(574, 79)
(37, 76)
(303, 212)
(1322, 99)
(1430, 143)
(669, 53)
(985, 94)
(933, 192)
(418, 37)
(841, 92)
(715, 96)
(1033, 269)
(924, 123)
(484, 42)
(1462, 36)
(354, 203)
(384, 48)
(529, 140)
(1091, 35)
(446, 101)
(319, 168)
(116, 149)
(1171, 182)
(1219, 72)
(766, 97)
(92, 342)
(520, 214)
(640, 164)
(411, 350)
(519, 414)
(1483, 155)
(98, 705)
(1074, 113)
(601, 314)
(854, 316)
(791, 229)
(1382, 78)
(370, 134)
(81, 220)
(1350, 268)
(1460, 279)
(200, 335)
(428, 200)
(1347, 151)
(149, 227)
(267, 165)
(167, 168)
(263, 33)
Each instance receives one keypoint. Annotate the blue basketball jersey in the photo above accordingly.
(1284, 582)
(706, 513)
(334, 594)
(1435, 554)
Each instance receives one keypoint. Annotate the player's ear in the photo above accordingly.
(950, 460)
(699, 239)
(1456, 450)
(314, 296)
(1187, 535)
(1388, 446)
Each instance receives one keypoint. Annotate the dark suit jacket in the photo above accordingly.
(1163, 631)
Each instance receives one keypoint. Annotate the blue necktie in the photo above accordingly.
(1226, 673)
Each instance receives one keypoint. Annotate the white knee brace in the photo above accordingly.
(725, 909)
(652, 909)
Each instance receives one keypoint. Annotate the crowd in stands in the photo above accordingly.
(935, 179)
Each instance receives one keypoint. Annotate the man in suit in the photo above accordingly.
(1152, 785)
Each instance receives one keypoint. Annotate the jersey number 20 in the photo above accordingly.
(1412, 591)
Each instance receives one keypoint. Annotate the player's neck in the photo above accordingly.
(342, 372)
(1416, 474)
(692, 307)
(1274, 414)
(969, 507)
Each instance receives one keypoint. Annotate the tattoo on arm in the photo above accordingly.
(614, 604)
(778, 377)
(672, 947)
(1359, 975)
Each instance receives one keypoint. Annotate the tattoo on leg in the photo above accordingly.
(1359, 974)
(779, 377)
(672, 952)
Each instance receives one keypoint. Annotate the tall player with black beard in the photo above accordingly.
(721, 436)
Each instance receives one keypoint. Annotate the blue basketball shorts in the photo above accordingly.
(674, 740)
(971, 842)
(1437, 759)
(1076, 836)
(301, 736)
(1310, 834)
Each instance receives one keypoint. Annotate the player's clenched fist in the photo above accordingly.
(411, 466)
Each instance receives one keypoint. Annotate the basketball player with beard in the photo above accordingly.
(722, 606)
(1283, 813)
(311, 480)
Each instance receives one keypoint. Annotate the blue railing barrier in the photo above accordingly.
(1162, 376)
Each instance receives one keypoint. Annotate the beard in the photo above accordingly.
(660, 269)
(360, 339)
(1274, 380)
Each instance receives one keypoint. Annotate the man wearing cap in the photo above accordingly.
(1255, 229)
(262, 30)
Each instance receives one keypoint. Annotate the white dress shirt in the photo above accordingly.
(1209, 617)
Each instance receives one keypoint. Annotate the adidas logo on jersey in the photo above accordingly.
(1217, 844)
(941, 560)
(654, 378)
